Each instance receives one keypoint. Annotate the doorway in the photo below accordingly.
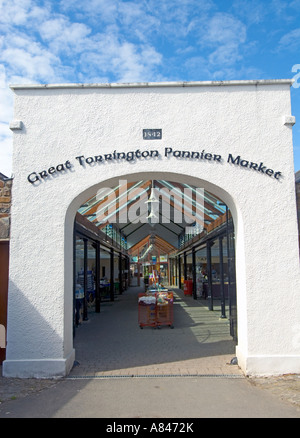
(168, 249)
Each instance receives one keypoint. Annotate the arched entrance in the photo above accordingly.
(141, 229)
(232, 139)
(173, 236)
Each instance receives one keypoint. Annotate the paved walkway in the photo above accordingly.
(112, 343)
(128, 373)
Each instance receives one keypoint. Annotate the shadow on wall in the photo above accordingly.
(4, 263)
(34, 345)
(2, 336)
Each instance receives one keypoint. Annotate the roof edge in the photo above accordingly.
(154, 84)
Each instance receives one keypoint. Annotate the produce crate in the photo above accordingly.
(155, 309)
(147, 310)
(164, 308)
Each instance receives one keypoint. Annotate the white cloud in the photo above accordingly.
(221, 39)
(14, 12)
(61, 35)
(5, 150)
(6, 98)
(224, 29)
(227, 54)
(144, 20)
(32, 66)
(251, 11)
(290, 41)
(29, 60)
(125, 61)
(22, 13)
(137, 64)
(116, 39)
(92, 10)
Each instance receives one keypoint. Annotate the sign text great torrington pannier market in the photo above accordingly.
(117, 157)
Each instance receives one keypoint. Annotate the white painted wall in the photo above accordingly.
(59, 123)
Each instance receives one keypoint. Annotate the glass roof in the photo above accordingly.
(165, 209)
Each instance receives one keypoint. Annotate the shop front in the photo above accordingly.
(100, 268)
(232, 140)
(207, 271)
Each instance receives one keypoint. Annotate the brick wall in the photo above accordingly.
(5, 204)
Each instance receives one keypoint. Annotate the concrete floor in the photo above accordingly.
(112, 342)
(125, 372)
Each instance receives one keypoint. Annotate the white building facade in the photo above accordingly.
(69, 141)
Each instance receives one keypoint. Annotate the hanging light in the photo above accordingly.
(152, 239)
(152, 215)
(152, 218)
(152, 197)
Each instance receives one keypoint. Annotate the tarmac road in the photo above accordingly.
(156, 398)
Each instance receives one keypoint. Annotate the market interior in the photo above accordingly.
(159, 235)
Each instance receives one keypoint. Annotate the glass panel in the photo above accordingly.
(116, 273)
(104, 274)
(124, 273)
(215, 263)
(201, 273)
(79, 280)
(189, 267)
(91, 271)
(216, 268)
(232, 287)
(182, 270)
(84, 302)
(163, 270)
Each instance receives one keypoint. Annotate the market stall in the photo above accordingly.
(155, 309)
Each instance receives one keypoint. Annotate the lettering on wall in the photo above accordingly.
(38, 176)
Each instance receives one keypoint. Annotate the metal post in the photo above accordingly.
(223, 311)
(112, 272)
(209, 277)
(179, 272)
(194, 273)
(138, 274)
(139, 269)
(184, 267)
(74, 280)
(120, 274)
(85, 257)
(228, 262)
(128, 273)
(97, 305)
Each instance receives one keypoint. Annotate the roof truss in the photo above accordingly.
(183, 201)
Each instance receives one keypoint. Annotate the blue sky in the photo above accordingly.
(96, 41)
